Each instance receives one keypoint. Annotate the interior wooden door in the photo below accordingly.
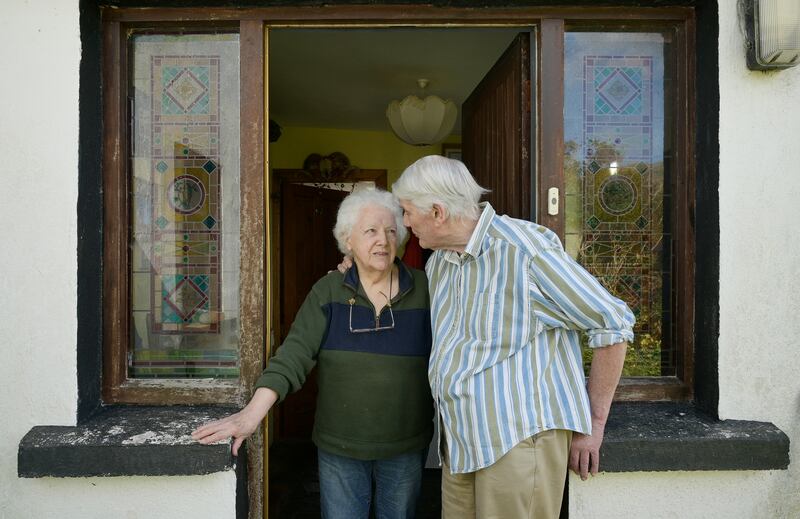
(308, 203)
(496, 131)
(309, 252)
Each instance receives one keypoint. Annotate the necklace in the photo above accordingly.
(389, 297)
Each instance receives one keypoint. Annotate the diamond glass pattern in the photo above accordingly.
(185, 234)
(614, 129)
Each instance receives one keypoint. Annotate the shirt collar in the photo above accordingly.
(475, 243)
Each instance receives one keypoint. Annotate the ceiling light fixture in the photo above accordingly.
(422, 122)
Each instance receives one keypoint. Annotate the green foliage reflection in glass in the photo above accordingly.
(628, 264)
(615, 124)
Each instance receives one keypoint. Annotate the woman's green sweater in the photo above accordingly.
(374, 399)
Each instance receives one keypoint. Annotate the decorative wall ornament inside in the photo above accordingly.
(332, 171)
(422, 122)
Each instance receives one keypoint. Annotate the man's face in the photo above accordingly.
(421, 223)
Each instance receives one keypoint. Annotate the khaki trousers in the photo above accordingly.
(526, 483)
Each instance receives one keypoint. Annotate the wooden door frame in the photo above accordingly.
(254, 24)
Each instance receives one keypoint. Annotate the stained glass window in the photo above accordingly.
(618, 146)
(184, 106)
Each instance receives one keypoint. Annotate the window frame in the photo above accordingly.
(679, 387)
(117, 387)
(252, 23)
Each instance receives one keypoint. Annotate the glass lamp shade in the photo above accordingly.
(773, 29)
(422, 122)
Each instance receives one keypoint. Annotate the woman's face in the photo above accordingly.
(373, 240)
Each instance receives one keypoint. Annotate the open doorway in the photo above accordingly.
(328, 93)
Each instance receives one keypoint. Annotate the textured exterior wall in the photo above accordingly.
(759, 356)
(198, 497)
(676, 495)
(40, 51)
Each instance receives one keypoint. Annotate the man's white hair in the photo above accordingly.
(438, 180)
(352, 205)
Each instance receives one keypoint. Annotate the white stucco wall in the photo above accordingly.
(40, 52)
(195, 497)
(759, 348)
(760, 279)
(759, 352)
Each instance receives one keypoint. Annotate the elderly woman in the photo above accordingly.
(368, 329)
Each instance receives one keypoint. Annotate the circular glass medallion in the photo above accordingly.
(186, 194)
(617, 195)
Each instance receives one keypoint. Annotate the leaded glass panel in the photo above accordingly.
(184, 106)
(617, 129)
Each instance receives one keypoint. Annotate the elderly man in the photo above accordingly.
(507, 305)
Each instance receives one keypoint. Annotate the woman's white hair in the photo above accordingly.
(438, 180)
(352, 205)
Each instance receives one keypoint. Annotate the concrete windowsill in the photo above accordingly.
(156, 441)
(665, 436)
(126, 441)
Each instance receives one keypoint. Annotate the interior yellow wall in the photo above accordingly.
(365, 149)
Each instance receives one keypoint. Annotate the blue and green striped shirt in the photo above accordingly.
(506, 359)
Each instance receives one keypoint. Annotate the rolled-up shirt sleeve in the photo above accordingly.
(564, 294)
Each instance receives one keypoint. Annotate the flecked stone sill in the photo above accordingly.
(126, 441)
(668, 436)
(156, 441)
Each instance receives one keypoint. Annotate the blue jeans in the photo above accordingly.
(345, 486)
